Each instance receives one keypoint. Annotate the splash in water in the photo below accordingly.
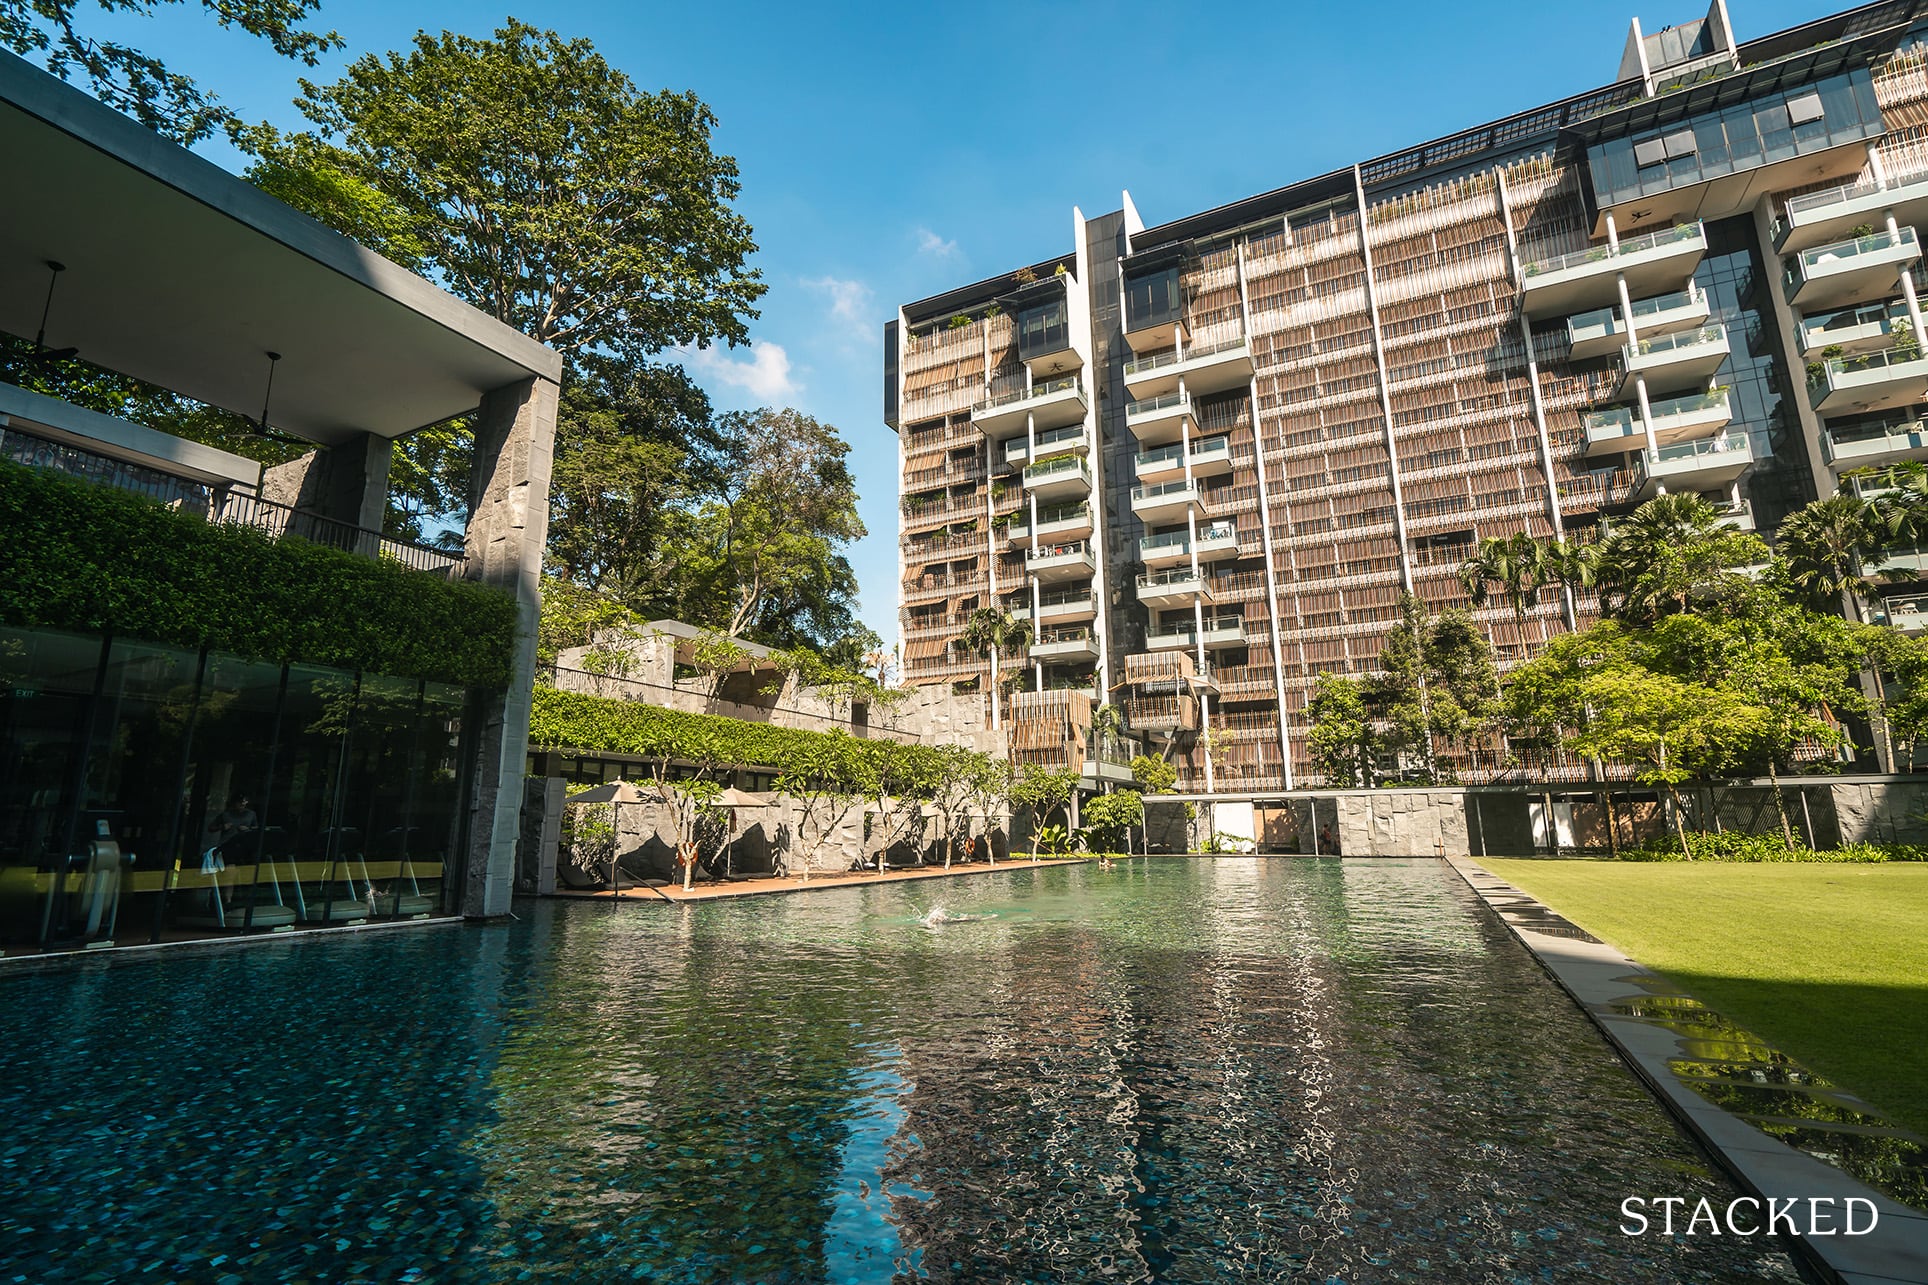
(938, 915)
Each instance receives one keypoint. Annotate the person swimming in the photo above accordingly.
(938, 916)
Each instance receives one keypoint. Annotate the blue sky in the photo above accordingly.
(892, 151)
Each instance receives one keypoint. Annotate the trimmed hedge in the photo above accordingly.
(1733, 845)
(562, 720)
(89, 559)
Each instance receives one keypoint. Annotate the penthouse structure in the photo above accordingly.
(1206, 458)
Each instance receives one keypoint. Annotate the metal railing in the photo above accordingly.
(1831, 196)
(1725, 444)
(1074, 548)
(1047, 601)
(278, 520)
(1604, 253)
(1176, 576)
(1018, 447)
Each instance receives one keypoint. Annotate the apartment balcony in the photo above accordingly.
(1019, 450)
(1055, 403)
(1173, 587)
(1907, 562)
(1064, 646)
(1848, 272)
(1204, 368)
(1166, 502)
(1869, 328)
(1905, 615)
(1050, 563)
(1166, 713)
(1679, 360)
(1711, 464)
(1600, 332)
(1061, 478)
(1165, 550)
(1161, 419)
(1210, 457)
(1218, 542)
(1218, 636)
(1860, 446)
(1064, 607)
(1876, 486)
(1818, 217)
(1655, 263)
(1737, 515)
(1618, 428)
(1870, 382)
(1064, 522)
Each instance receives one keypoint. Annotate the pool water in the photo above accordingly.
(1177, 1070)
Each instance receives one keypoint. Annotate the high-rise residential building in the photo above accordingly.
(1205, 459)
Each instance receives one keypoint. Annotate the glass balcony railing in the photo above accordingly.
(1822, 260)
(1063, 601)
(1170, 540)
(1706, 336)
(1052, 516)
(1604, 321)
(1174, 453)
(1163, 490)
(1702, 448)
(1044, 553)
(1834, 368)
(1157, 405)
(1063, 466)
(1158, 361)
(1015, 395)
(1176, 576)
(1217, 531)
(1604, 253)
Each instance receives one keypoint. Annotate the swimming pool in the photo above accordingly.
(1178, 1070)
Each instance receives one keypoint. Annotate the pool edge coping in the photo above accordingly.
(1763, 1166)
(54, 960)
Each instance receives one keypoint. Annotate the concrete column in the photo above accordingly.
(347, 483)
(1907, 285)
(515, 437)
(1626, 308)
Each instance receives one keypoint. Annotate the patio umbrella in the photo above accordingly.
(731, 797)
(613, 792)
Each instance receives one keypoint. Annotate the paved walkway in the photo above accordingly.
(797, 883)
(1643, 1015)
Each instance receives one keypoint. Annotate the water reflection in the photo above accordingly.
(1177, 1070)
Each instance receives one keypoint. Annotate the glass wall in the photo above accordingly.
(1767, 128)
(149, 793)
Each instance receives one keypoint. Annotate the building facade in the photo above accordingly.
(236, 705)
(1206, 459)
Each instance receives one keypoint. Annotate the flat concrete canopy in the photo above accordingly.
(186, 276)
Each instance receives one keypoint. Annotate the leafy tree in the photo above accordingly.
(1153, 775)
(1109, 817)
(140, 84)
(820, 776)
(312, 176)
(548, 190)
(991, 632)
(1517, 564)
(764, 546)
(1045, 790)
(1572, 565)
(1673, 555)
(1437, 682)
(989, 788)
(1826, 546)
(1343, 741)
(633, 443)
(572, 616)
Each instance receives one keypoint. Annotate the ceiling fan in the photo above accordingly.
(40, 350)
(260, 426)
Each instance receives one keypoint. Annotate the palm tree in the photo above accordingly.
(1672, 554)
(1516, 563)
(1570, 565)
(992, 633)
(1828, 545)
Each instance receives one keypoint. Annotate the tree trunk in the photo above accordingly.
(1780, 804)
(1613, 820)
(1680, 821)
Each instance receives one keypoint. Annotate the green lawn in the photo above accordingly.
(1829, 963)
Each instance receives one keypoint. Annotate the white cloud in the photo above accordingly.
(765, 375)
(928, 242)
(849, 305)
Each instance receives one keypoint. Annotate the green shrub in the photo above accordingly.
(94, 559)
(1734, 845)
